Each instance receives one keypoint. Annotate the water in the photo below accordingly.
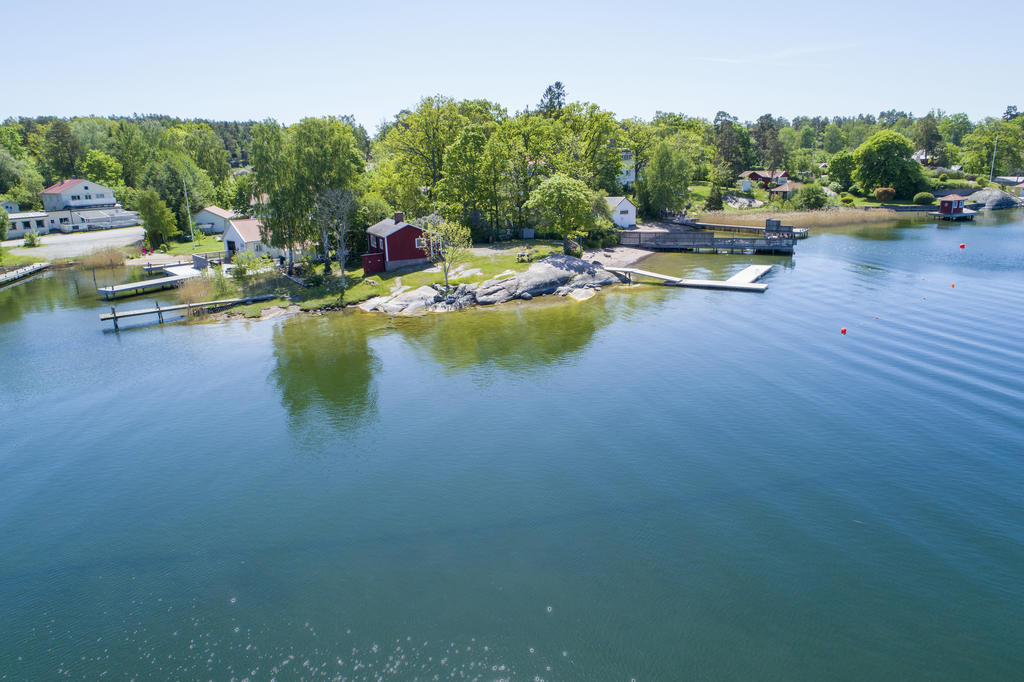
(655, 484)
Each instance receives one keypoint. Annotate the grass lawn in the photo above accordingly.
(9, 259)
(205, 243)
(361, 287)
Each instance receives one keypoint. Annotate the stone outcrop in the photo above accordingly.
(993, 199)
(557, 274)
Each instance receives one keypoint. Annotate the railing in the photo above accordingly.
(703, 240)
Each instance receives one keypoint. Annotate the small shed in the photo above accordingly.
(951, 203)
(393, 244)
(623, 211)
(785, 190)
(243, 236)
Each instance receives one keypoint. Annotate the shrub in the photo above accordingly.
(315, 280)
(943, 177)
(885, 194)
(603, 235)
(924, 198)
(31, 239)
(221, 287)
(836, 187)
(847, 200)
(981, 181)
(856, 190)
(810, 197)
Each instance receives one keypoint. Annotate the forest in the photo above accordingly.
(473, 162)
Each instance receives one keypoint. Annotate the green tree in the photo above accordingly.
(808, 138)
(552, 101)
(281, 217)
(157, 219)
(418, 140)
(810, 197)
(130, 149)
(841, 168)
(563, 206)
(834, 140)
(62, 151)
(4, 218)
(884, 161)
(666, 182)
(447, 243)
(102, 168)
(926, 134)
(980, 144)
(464, 183)
(955, 127)
(165, 174)
(207, 150)
(10, 139)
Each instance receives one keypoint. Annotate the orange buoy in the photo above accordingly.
(963, 246)
(843, 331)
(953, 285)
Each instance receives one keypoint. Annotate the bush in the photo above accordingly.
(31, 239)
(981, 181)
(856, 190)
(836, 187)
(315, 280)
(924, 198)
(603, 235)
(943, 177)
(885, 194)
(810, 197)
(847, 200)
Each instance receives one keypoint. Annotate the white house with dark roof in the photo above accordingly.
(243, 236)
(76, 193)
(213, 220)
(623, 211)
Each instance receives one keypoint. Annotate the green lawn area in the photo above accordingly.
(699, 192)
(10, 260)
(205, 243)
(361, 287)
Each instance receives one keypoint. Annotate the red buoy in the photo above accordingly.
(953, 285)
(843, 331)
(963, 246)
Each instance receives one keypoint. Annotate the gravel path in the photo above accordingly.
(77, 243)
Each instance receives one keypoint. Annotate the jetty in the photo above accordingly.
(21, 273)
(174, 274)
(744, 280)
(774, 238)
(160, 310)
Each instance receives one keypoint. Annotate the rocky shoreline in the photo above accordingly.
(557, 274)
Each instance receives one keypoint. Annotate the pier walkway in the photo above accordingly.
(745, 280)
(160, 311)
(175, 274)
(21, 273)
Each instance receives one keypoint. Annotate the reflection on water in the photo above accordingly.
(324, 370)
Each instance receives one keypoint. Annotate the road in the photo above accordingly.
(77, 243)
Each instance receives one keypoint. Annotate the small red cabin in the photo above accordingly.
(951, 204)
(392, 244)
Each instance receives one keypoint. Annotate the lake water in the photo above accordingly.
(656, 484)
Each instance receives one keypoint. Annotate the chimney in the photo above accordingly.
(399, 217)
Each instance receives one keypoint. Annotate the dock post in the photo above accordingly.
(159, 313)
(114, 317)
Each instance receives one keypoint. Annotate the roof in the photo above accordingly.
(787, 187)
(764, 173)
(952, 197)
(388, 227)
(28, 214)
(63, 185)
(248, 229)
(615, 201)
(220, 212)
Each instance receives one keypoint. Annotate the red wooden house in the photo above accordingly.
(951, 207)
(392, 244)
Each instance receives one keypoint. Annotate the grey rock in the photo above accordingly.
(526, 296)
(994, 199)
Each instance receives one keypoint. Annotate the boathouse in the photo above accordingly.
(623, 211)
(392, 244)
(951, 207)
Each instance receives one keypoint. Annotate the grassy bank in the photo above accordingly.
(10, 259)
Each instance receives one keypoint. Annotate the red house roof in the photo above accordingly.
(62, 185)
(952, 197)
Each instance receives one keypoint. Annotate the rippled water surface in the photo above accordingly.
(655, 484)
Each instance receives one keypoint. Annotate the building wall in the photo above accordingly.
(254, 247)
(402, 244)
(624, 215)
(11, 206)
(17, 228)
(82, 195)
(210, 223)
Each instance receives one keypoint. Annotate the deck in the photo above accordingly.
(21, 273)
(705, 241)
(745, 280)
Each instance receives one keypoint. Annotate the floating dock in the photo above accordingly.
(745, 280)
(175, 274)
(22, 273)
(773, 238)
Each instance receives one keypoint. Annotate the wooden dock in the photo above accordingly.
(704, 242)
(160, 310)
(22, 273)
(745, 280)
(147, 284)
(798, 232)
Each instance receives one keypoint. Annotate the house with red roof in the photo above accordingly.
(77, 193)
(766, 178)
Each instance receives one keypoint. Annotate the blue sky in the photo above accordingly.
(237, 61)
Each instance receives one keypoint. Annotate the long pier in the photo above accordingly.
(160, 311)
(21, 273)
(705, 241)
(176, 273)
(745, 280)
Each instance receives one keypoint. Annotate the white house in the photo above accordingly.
(623, 211)
(627, 174)
(10, 206)
(213, 220)
(243, 236)
(76, 193)
(20, 224)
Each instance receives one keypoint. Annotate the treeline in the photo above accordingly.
(474, 162)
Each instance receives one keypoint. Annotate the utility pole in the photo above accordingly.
(992, 172)
(188, 210)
